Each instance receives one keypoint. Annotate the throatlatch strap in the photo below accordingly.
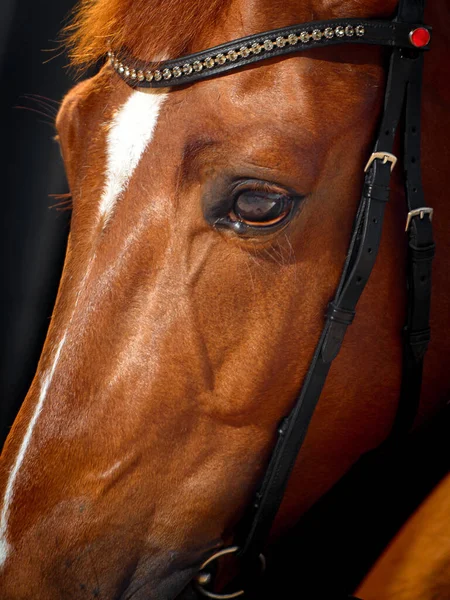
(420, 256)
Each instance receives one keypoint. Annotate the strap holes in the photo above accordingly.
(369, 250)
(375, 220)
(423, 278)
(414, 189)
(413, 129)
(387, 132)
(413, 159)
(358, 279)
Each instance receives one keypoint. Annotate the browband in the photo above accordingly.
(262, 46)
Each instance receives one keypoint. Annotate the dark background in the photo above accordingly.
(32, 234)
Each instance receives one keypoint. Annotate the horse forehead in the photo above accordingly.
(348, 8)
(250, 117)
(269, 15)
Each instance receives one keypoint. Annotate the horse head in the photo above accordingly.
(210, 224)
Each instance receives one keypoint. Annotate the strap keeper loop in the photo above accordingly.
(340, 315)
(377, 192)
(419, 253)
(416, 338)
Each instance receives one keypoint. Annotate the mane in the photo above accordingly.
(151, 29)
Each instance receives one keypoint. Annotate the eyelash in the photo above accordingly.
(62, 202)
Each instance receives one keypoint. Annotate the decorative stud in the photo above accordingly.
(292, 39)
(268, 45)
(157, 76)
(177, 72)
(148, 76)
(349, 31)
(232, 55)
(167, 74)
(187, 69)
(209, 62)
(133, 74)
(339, 31)
(304, 37)
(126, 72)
(360, 31)
(121, 68)
(419, 37)
(281, 42)
(221, 59)
(197, 66)
(140, 76)
(244, 51)
(329, 33)
(256, 48)
(316, 35)
(116, 64)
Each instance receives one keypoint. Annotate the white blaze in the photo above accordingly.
(130, 133)
(45, 384)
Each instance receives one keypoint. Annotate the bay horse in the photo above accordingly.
(176, 346)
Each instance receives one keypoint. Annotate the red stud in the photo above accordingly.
(419, 37)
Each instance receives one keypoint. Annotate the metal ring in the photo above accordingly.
(219, 554)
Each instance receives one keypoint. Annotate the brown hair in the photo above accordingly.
(149, 28)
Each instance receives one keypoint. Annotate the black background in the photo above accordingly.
(32, 234)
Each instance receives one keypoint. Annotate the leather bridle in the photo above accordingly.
(407, 37)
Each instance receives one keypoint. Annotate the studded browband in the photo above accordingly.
(270, 44)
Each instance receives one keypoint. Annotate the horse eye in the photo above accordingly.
(260, 209)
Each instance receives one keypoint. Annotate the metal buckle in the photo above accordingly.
(421, 212)
(385, 156)
(203, 578)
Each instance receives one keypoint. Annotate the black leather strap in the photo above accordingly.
(357, 268)
(170, 73)
(419, 260)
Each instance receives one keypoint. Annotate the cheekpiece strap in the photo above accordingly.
(402, 78)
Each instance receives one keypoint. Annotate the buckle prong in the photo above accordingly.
(384, 156)
(418, 212)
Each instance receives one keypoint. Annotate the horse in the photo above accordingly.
(415, 565)
(176, 345)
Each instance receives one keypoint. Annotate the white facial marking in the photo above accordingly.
(131, 131)
(45, 384)
(4, 546)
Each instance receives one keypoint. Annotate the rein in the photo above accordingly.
(407, 37)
